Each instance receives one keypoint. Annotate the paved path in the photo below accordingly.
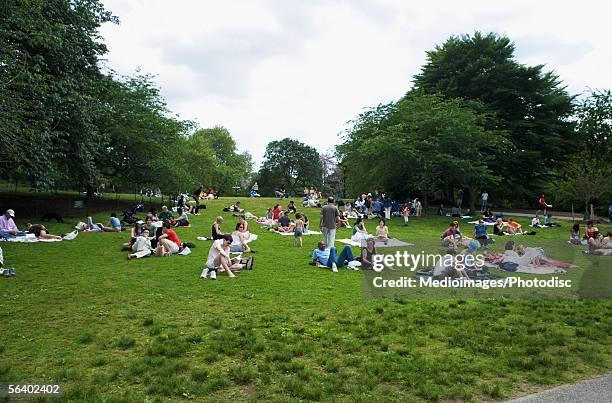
(594, 390)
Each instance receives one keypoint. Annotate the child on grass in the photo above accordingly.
(298, 231)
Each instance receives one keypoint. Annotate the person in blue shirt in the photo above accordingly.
(480, 232)
(329, 258)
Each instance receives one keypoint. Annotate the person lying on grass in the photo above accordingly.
(168, 242)
(284, 223)
(382, 232)
(114, 225)
(40, 231)
(219, 260)
(298, 231)
(323, 257)
(367, 254)
(141, 246)
(239, 240)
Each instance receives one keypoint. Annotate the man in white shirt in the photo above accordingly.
(485, 198)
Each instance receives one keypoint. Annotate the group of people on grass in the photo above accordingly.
(9, 229)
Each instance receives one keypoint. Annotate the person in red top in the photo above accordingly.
(543, 204)
(276, 212)
(168, 242)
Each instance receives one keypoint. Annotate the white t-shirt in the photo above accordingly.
(485, 196)
(213, 252)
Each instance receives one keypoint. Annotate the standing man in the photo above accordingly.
(387, 206)
(485, 197)
(328, 222)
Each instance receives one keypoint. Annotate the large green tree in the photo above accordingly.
(585, 177)
(49, 89)
(530, 104)
(290, 164)
(421, 145)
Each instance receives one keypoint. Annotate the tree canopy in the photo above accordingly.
(530, 105)
(290, 164)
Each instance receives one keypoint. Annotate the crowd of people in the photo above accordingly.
(154, 236)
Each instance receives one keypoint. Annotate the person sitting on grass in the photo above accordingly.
(487, 215)
(360, 233)
(239, 241)
(451, 235)
(166, 215)
(535, 221)
(40, 231)
(513, 227)
(575, 235)
(137, 230)
(284, 223)
(216, 228)
(382, 232)
(245, 225)
(323, 257)
(219, 259)
(599, 245)
(236, 208)
(590, 231)
(291, 207)
(276, 212)
(152, 214)
(499, 226)
(168, 243)
(480, 233)
(182, 220)
(298, 230)
(343, 222)
(367, 254)
(8, 227)
(141, 247)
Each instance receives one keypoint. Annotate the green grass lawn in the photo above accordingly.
(79, 313)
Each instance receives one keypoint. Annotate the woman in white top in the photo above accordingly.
(239, 241)
(360, 234)
(382, 232)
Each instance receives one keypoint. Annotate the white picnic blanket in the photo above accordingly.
(392, 243)
(305, 233)
(31, 238)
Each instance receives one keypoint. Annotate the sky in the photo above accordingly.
(267, 70)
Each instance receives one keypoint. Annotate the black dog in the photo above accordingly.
(52, 216)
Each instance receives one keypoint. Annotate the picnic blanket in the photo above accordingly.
(486, 222)
(31, 238)
(252, 237)
(305, 233)
(392, 243)
(552, 266)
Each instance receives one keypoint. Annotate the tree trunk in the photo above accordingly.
(469, 195)
(424, 202)
(90, 192)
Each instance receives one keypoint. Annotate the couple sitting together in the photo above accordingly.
(163, 243)
(8, 228)
(328, 257)
(219, 259)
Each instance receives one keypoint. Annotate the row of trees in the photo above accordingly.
(478, 120)
(66, 123)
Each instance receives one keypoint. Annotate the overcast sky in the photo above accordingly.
(272, 69)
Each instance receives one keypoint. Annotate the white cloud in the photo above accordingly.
(271, 69)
